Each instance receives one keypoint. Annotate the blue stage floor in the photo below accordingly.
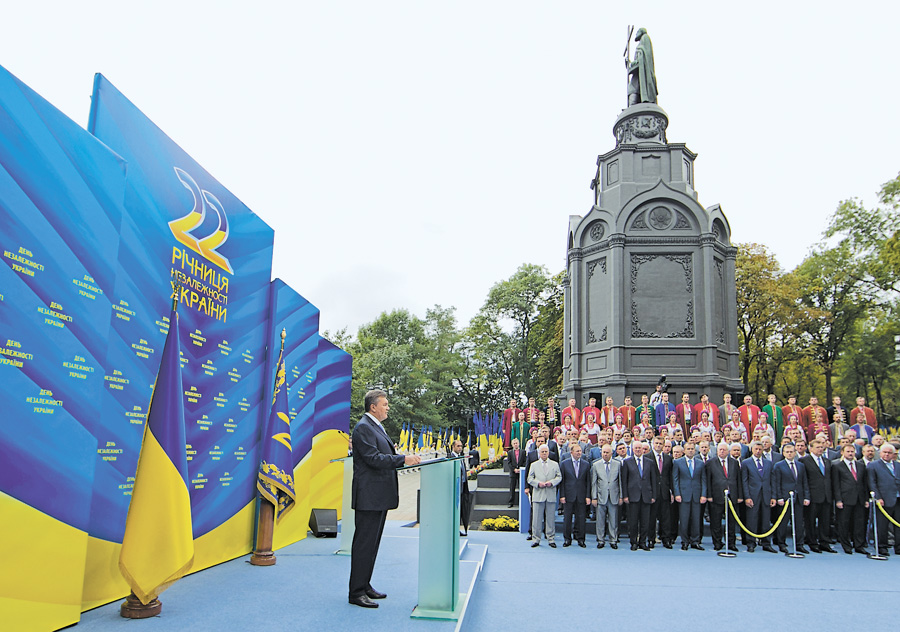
(531, 589)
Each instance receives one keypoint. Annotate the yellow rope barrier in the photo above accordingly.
(886, 515)
(767, 533)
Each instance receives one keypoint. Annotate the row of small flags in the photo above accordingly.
(488, 429)
(427, 439)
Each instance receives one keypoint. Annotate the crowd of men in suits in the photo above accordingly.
(672, 467)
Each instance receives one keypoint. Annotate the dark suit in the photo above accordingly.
(716, 484)
(784, 483)
(757, 486)
(817, 515)
(465, 496)
(576, 489)
(887, 488)
(374, 492)
(852, 493)
(640, 490)
(691, 489)
(661, 510)
(513, 464)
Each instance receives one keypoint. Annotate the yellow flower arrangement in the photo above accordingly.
(500, 523)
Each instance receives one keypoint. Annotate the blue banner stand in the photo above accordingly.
(524, 503)
(348, 516)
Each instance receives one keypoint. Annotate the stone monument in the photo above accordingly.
(650, 286)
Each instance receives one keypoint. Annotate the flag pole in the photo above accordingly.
(133, 607)
(265, 531)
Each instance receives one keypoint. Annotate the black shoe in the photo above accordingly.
(814, 549)
(697, 547)
(882, 552)
(600, 545)
(668, 545)
(535, 543)
(613, 545)
(861, 550)
(800, 549)
(634, 547)
(528, 538)
(371, 593)
(645, 547)
(848, 550)
(363, 602)
(733, 547)
(782, 548)
(827, 549)
(768, 549)
(567, 543)
(652, 545)
(553, 545)
(582, 544)
(463, 534)
(751, 548)
(718, 547)
(684, 547)
(509, 505)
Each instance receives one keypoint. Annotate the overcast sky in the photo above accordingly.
(414, 153)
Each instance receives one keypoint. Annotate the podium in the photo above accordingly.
(348, 519)
(439, 596)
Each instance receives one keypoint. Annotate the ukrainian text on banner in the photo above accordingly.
(61, 197)
(178, 220)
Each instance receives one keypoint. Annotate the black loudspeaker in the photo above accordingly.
(323, 523)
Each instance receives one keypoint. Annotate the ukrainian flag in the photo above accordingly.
(276, 469)
(158, 546)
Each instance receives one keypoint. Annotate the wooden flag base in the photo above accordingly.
(132, 608)
(263, 555)
(262, 558)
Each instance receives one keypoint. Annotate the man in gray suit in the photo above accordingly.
(689, 484)
(606, 496)
(543, 476)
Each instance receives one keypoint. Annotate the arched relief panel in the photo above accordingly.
(720, 232)
(594, 232)
(662, 295)
(661, 216)
(599, 301)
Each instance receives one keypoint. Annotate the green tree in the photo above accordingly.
(873, 236)
(832, 300)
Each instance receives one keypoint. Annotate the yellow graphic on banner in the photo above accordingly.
(181, 228)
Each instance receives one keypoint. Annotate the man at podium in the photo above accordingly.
(375, 491)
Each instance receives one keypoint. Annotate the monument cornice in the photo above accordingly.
(677, 241)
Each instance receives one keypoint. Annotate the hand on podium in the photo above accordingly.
(412, 459)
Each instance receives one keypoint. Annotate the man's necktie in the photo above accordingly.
(853, 470)
(821, 465)
(575, 463)
(759, 466)
(607, 469)
(640, 463)
(691, 467)
(725, 467)
(793, 470)
(659, 461)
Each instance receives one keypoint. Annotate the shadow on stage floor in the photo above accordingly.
(531, 589)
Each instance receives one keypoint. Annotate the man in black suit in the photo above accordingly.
(722, 472)
(756, 483)
(789, 476)
(374, 492)
(575, 494)
(817, 515)
(884, 480)
(661, 510)
(465, 496)
(639, 484)
(848, 484)
(516, 459)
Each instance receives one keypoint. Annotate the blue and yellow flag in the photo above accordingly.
(158, 546)
(276, 470)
